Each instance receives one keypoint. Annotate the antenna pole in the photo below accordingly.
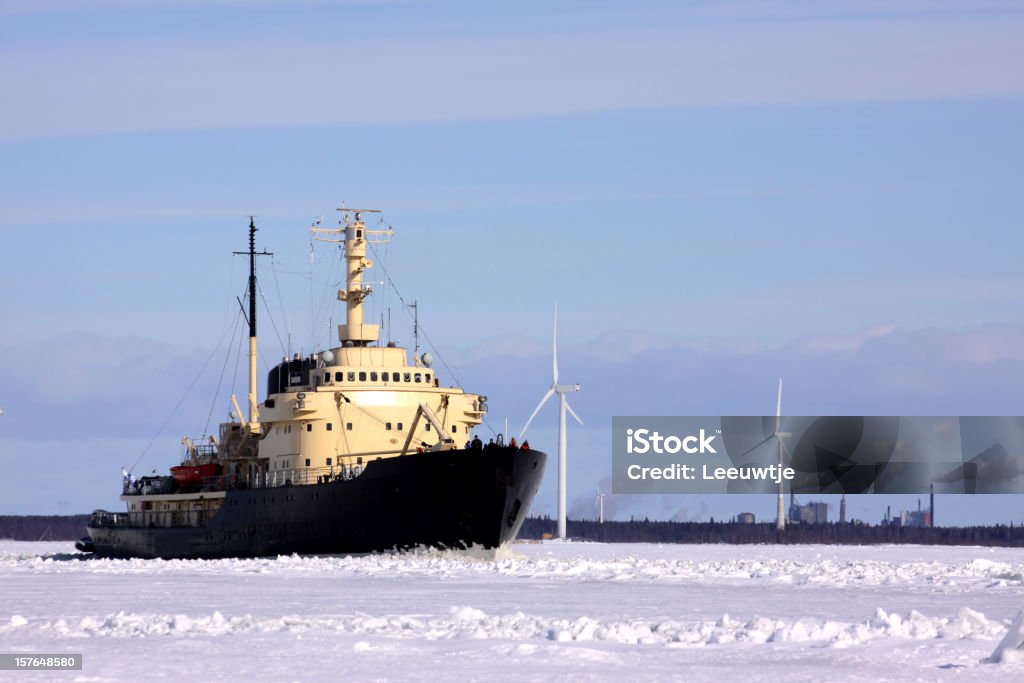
(253, 412)
(252, 277)
(416, 331)
(252, 253)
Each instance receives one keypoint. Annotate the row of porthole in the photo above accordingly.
(383, 376)
(329, 426)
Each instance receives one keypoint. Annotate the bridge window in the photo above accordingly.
(387, 426)
(362, 376)
(408, 377)
(307, 462)
(327, 377)
(351, 377)
(338, 376)
(419, 377)
(328, 461)
(399, 426)
(330, 427)
(309, 427)
(373, 376)
(348, 426)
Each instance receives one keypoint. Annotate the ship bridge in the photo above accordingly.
(361, 399)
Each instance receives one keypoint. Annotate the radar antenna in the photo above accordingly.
(352, 231)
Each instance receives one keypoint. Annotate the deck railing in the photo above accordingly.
(299, 476)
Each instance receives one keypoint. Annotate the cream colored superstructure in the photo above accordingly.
(370, 403)
(346, 406)
(171, 510)
(361, 400)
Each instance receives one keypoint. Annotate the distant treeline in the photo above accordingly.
(648, 531)
(43, 527)
(72, 527)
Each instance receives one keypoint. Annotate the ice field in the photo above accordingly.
(565, 611)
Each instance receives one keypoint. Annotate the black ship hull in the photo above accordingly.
(447, 499)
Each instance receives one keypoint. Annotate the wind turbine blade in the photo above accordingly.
(785, 451)
(554, 349)
(569, 408)
(778, 408)
(536, 410)
(758, 446)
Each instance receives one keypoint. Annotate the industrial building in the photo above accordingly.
(814, 512)
(914, 518)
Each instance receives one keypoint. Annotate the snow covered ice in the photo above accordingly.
(575, 611)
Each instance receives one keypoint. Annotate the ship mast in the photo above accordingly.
(254, 414)
(353, 232)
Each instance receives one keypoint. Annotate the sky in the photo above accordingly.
(715, 194)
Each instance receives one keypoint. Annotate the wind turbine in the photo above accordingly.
(600, 507)
(563, 405)
(780, 513)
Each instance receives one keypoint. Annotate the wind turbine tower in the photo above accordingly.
(779, 436)
(563, 406)
(780, 513)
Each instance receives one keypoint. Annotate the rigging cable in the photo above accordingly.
(312, 258)
(430, 343)
(280, 301)
(322, 309)
(270, 315)
(227, 356)
(220, 380)
(238, 361)
(181, 400)
(386, 298)
(420, 325)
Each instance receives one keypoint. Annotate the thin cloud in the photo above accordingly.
(117, 393)
(146, 85)
(16, 8)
